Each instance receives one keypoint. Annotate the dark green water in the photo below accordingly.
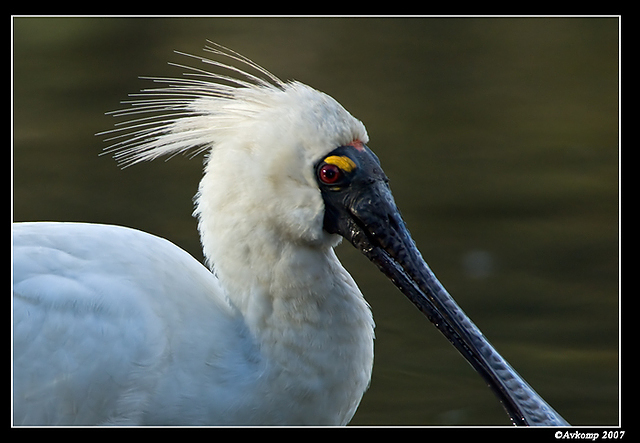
(500, 137)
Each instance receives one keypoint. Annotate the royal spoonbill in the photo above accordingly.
(113, 326)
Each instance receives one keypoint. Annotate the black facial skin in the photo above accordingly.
(360, 207)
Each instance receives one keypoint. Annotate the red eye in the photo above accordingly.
(330, 174)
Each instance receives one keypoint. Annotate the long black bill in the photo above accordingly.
(361, 208)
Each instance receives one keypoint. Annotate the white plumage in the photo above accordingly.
(115, 326)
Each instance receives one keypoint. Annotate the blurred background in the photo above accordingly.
(500, 137)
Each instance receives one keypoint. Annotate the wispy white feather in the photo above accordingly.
(185, 114)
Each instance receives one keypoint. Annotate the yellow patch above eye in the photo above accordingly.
(343, 162)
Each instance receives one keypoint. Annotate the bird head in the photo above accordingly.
(263, 139)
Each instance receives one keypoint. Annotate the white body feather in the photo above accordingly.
(115, 326)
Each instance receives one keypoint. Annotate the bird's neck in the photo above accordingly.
(305, 312)
(289, 293)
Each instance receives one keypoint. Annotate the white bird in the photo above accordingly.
(113, 326)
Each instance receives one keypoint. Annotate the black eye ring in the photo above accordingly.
(330, 174)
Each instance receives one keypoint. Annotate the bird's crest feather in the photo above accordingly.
(179, 116)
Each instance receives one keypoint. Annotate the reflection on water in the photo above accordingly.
(500, 137)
